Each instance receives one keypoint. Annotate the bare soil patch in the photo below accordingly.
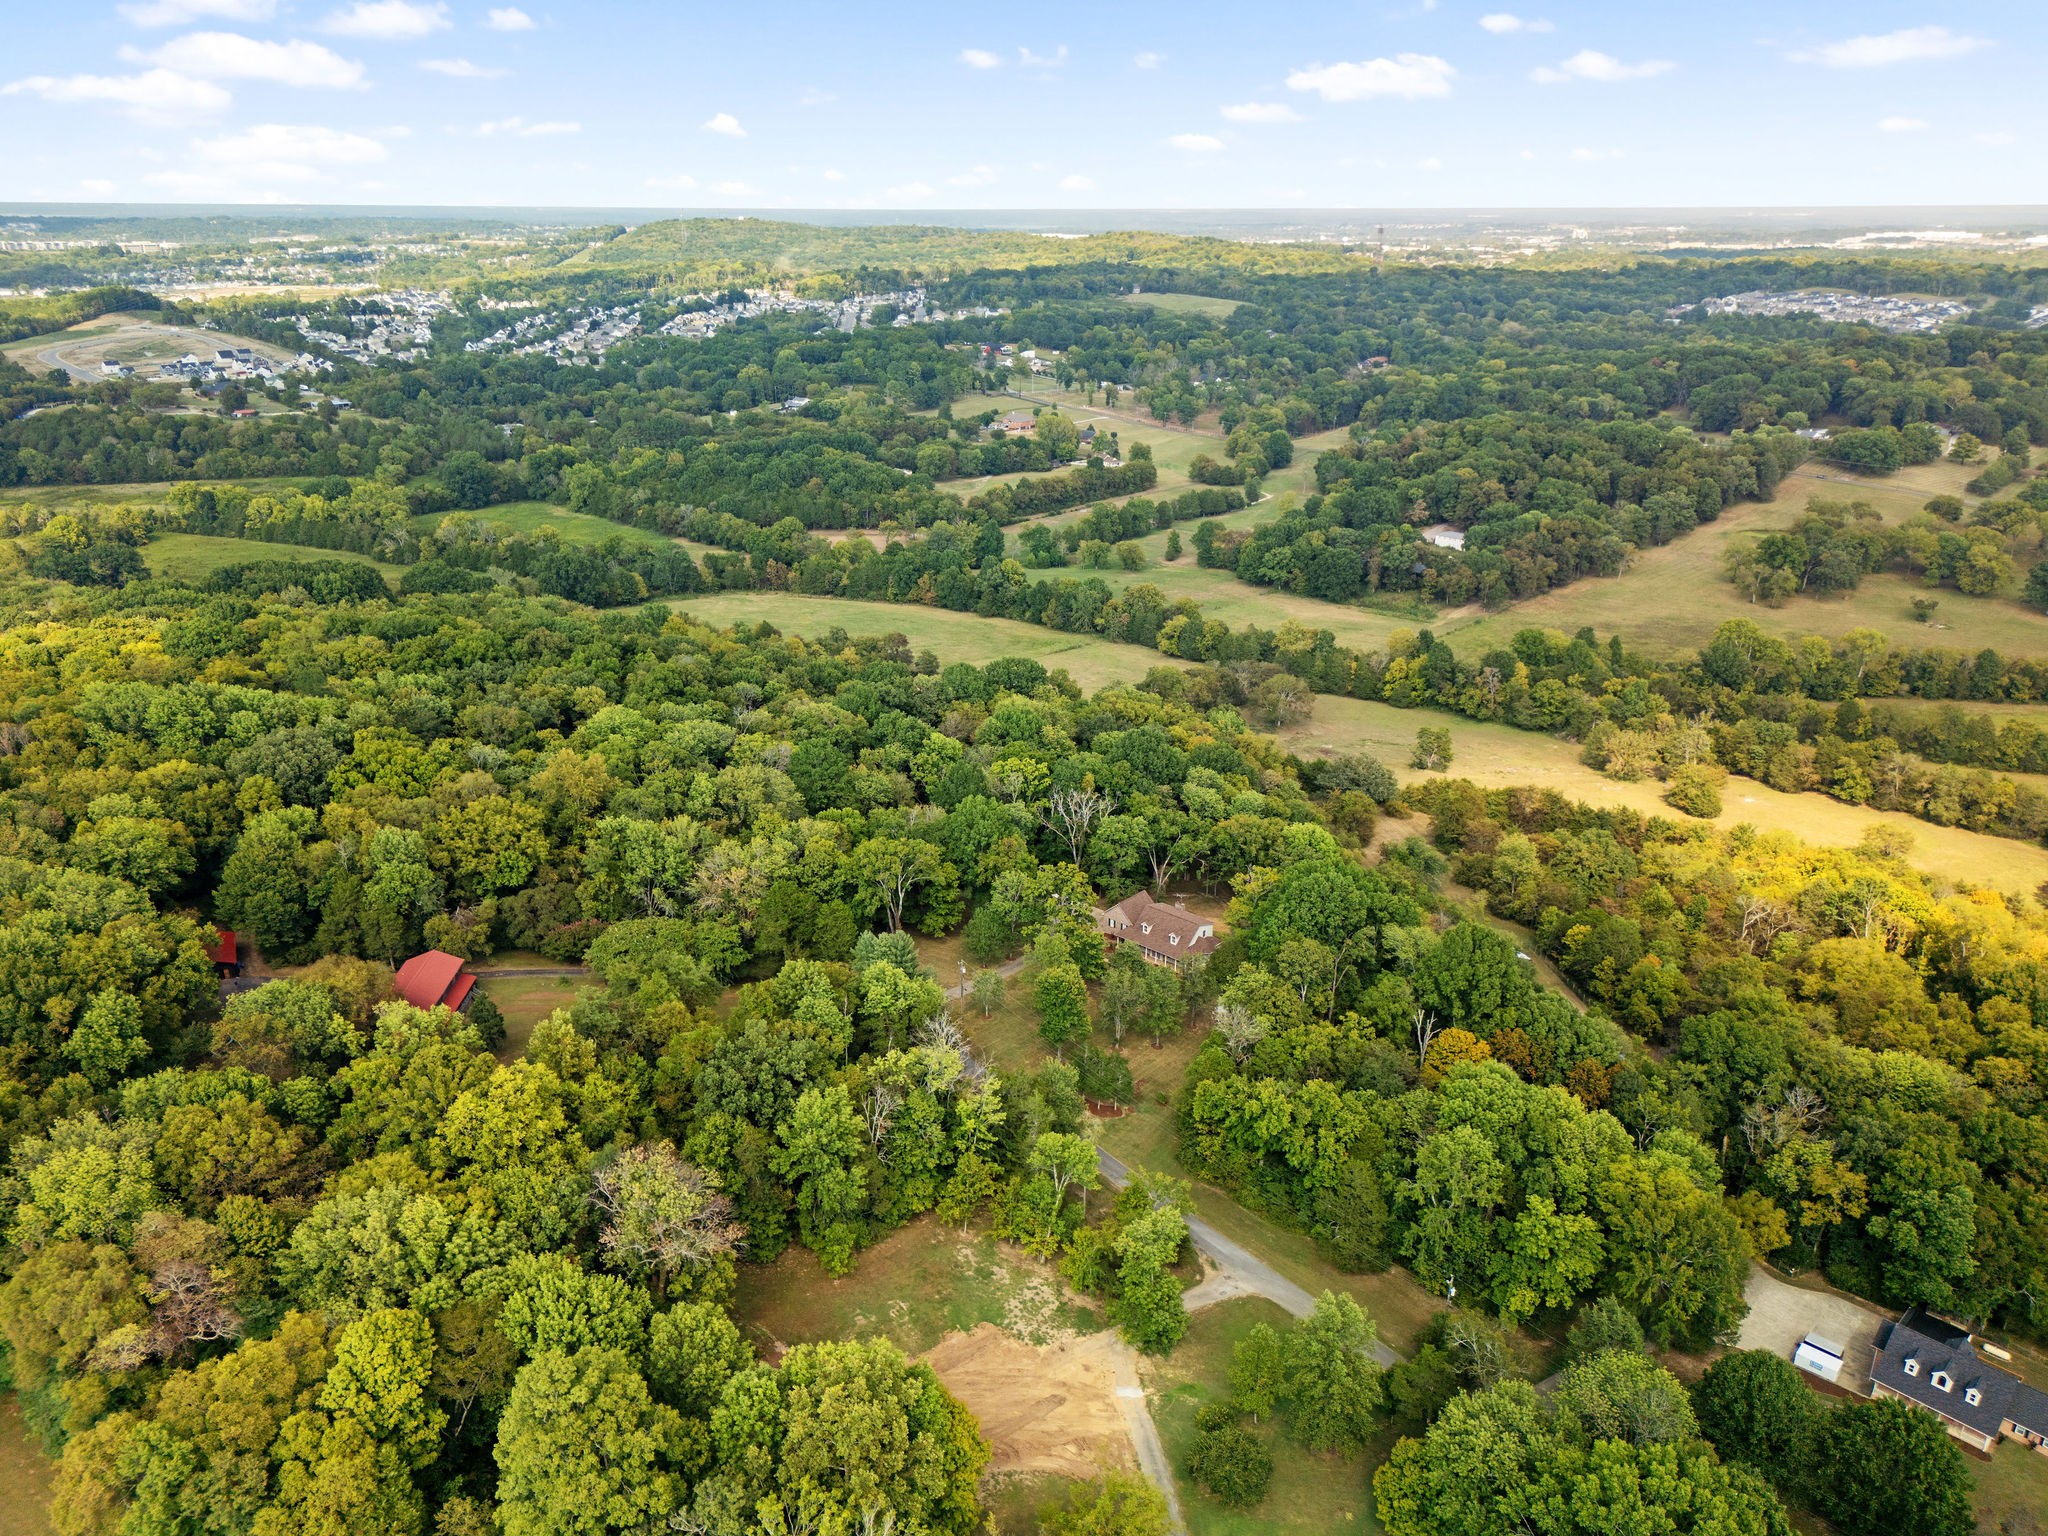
(1046, 1409)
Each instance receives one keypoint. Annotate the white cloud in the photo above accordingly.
(388, 20)
(834, 175)
(1262, 112)
(1051, 60)
(1200, 143)
(519, 127)
(462, 69)
(231, 56)
(1591, 64)
(677, 183)
(1409, 76)
(154, 96)
(1994, 138)
(1431, 163)
(909, 189)
(1596, 154)
(1906, 46)
(979, 58)
(270, 155)
(1077, 184)
(1503, 21)
(175, 13)
(725, 124)
(732, 188)
(1901, 124)
(814, 96)
(1528, 154)
(1149, 60)
(508, 18)
(99, 186)
(980, 176)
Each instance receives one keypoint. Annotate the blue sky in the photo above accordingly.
(1415, 103)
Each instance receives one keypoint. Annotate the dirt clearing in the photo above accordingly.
(1046, 1409)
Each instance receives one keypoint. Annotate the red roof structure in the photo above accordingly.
(225, 952)
(433, 979)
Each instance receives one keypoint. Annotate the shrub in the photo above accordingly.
(1105, 1076)
(1232, 1465)
(1695, 789)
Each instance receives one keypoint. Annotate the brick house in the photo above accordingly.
(1164, 935)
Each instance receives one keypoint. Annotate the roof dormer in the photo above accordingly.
(1972, 1396)
(1943, 1381)
(1910, 1366)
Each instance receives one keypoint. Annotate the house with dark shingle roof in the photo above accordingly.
(1933, 1364)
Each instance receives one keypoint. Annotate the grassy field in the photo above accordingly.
(1173, 448)
(1185, 303)
(532, 516)
(918, 1284)
(2013, 1482)
(118, 495)
(1493, 756)
(1094, 663)
(1496, 756)
(1013, 1503)
(132, 339)
(1310, 1494)
(24, 1476)
(526, 1000)
(1671, 599)
(1222, 596)
(194, 556)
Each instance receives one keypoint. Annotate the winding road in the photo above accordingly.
(1240, 1272)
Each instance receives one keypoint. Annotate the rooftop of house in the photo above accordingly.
(431, 978)
(1164, 928)
(1934, 1363)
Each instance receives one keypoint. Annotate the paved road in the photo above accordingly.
(1242, 1272)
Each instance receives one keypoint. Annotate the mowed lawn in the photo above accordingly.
(1185, 303)
(532, 516)
(1092, 662)
(1672, 598)
(1311, 1494)
(2013, 1483)
(195, 556)
(526, 1000)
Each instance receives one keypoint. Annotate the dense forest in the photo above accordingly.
(298, 1254)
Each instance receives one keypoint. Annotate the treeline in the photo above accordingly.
(1887, 1125)
(1545, 511)
(1835, 544)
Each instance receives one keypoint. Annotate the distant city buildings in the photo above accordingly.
(1888, 312)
